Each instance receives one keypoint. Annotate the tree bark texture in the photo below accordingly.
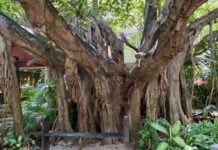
(9, 85)
(98, 101)
(63, 119)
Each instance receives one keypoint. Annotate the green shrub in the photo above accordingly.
(11, 141)
(202, 134)
(161, 135)
(35, 104)
(147, 136)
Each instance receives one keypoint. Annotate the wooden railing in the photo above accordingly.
(46, 134)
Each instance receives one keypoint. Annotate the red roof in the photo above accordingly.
(23, 57)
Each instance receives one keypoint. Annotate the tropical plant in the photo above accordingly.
(167, 136)
(12, 142)
(202, 134)
(36, 103)
(147, 136)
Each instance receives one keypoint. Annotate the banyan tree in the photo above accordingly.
(92, 57)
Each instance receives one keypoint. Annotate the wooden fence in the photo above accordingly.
(46, 134)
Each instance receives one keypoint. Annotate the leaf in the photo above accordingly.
(179, 141)
(18, 145)
(162, 146)
(159, 127)
(163, 121)
(216, 122)
(13, 141)
(175, 128)
(10, 135)
(141, 143)
(57, 22)
(190, 148)
(20, 138)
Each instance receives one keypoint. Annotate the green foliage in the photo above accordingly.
(167, 135)
(210, 5)
(202, 134)
(117, 13)
(121, 13)
(147, 135)
(201, 93)
(159, 127)
(46, 90)
(13, 9)
(35, 104)
(12, 142)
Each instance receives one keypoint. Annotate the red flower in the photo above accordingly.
(199, 82)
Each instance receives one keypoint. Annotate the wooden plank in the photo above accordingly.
(85, 134)
(126, 132)
(45, 129)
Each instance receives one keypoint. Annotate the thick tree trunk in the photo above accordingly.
(98, 100)
(174, 97)
(81, 89)
(186, 97)
(63, 119)
(134, 98)
(9, 85)
(155, 98)
(168, 96)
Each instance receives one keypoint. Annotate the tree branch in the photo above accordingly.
(168, 37)
(116, 44)
(175, 15)
(202, 46)
(42, 14)
(127, 43)
(196, 27)
(204, 42)
(199, 23)
(28, 42)
(150, 18)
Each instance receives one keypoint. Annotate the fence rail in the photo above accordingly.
(46, 134)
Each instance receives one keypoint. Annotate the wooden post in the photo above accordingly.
(214, 147)
(126, 132)
(45, 130)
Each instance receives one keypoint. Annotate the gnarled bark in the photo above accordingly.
(98, 101)
(63, 119)
(9, 85)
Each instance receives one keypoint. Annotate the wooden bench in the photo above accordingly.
(46, 134)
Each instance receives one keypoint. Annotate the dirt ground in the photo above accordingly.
(96, 146)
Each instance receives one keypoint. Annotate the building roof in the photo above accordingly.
(25, 58)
